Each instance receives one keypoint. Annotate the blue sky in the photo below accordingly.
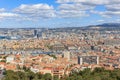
(57, 13)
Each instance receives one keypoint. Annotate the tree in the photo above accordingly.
(55, 78)
(30, 75)
(3, 61)
(10, 75)
(38, 76)
(21, 75)
(86, 74)
(47, 76)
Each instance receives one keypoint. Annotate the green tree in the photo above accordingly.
(47, 76)
(30, 75)
(10, 75)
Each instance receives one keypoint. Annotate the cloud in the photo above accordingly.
(91, 2)
(112, 6)
(7, 15)
(76, 6)
(107, 14)
(71, 13)
(100, 20)
(65, 9)
(73, 10)
(36, 11)
(2, 10)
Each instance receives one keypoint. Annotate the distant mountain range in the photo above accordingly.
(107, 25)
(104, 25)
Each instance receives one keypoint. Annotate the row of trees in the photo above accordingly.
(19, 75)
(86, 74)
(96, 74)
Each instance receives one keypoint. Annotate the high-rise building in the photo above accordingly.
(35, 32)
(36, 35)
(88, 60)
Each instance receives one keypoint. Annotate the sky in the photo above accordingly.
(57, 13)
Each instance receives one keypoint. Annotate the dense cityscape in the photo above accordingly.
(59, 39)
(59, 51)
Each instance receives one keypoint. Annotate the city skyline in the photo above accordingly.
(57, 13)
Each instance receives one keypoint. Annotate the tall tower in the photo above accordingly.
(35, 33)
(97, 59)
(80, 60)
